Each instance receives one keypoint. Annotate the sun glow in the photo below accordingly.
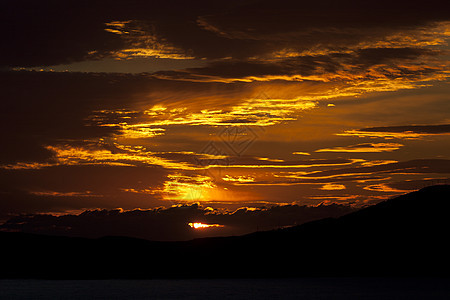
(187, 188)
(197, 225)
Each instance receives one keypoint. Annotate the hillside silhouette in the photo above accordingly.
(171, 224)
(403, 236)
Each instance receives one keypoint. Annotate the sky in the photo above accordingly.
(220, 108)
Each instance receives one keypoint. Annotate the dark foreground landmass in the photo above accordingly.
(404, 236)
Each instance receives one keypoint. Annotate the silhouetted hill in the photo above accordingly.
(404, 236)
(171, 224)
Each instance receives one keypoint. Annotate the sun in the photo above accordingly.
(198, 225)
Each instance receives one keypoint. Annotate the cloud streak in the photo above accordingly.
(407, 131)
(368, 148)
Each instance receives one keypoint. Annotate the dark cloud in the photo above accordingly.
(54, 32)
(66, 188)
(39, 108)
(414, 166)
(51, 32)
(427, 129)
(372, 56)
(241, 68)
(171, 223)
(369, 63)
(44, 108)
(409, 185)
(268, 17)
(303, 24)
(362, 173)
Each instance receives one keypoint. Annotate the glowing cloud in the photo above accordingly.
(238, 179)
(183, 188)
(400, 132)
(332, 187)
(120, 155)
(142, 41)
(251, 112)
(366, 148)
(301, 153)
(386, 135)
(384, 188)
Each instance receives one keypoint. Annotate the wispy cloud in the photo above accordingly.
(332, 187)
(368, 147)
(406, 132)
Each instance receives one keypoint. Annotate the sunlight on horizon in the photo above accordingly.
(198, 225)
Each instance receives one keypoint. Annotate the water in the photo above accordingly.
(302, 288)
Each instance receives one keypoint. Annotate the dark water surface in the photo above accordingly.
(301, 288)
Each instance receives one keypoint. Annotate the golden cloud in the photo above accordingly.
(365, 148)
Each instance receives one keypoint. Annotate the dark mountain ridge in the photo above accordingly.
(404, 236)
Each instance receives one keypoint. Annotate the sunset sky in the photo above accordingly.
(220, 105)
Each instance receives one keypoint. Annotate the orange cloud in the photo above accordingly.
(332, 187)
(367, 148)
(400, 132)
